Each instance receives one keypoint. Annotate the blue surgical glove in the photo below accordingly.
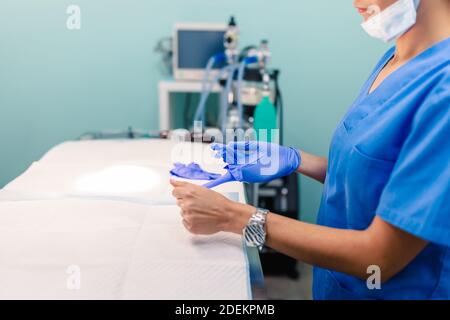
(257, 162)
(192, 171)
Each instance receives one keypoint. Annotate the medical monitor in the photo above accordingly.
(194, 44)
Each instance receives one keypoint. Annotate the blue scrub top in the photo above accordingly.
(390, 156)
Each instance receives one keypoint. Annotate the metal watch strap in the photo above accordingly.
(255, 231)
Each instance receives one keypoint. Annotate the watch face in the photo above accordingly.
(255, 232)
(255, 236)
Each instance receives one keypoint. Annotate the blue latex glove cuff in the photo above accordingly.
(228, 177)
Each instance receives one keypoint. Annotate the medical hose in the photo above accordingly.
(225, 96)
(279, 103)
(241, 72)
(200, 113)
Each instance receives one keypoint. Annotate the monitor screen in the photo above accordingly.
(196, 47)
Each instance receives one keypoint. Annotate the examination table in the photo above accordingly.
(96, 220)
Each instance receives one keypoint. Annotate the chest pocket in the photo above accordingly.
(365, 178)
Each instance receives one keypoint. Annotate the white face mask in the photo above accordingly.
(394, 21)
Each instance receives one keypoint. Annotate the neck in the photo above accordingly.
(432, 26)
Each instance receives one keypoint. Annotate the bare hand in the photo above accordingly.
(204, 211)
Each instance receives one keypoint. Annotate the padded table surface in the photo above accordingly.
(99, 214)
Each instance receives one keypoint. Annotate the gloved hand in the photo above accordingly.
(256, 162)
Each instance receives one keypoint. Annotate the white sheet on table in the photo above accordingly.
(201, 267)
(39, 240)
(146, 152)
(110, 151)
(138, 183)
(107, 171)
(120, 255)
(125, 251)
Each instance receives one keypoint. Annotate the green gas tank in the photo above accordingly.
(265, 120)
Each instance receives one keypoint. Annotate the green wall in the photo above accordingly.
(56, 84)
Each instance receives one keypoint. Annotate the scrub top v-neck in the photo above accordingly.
(390, 156)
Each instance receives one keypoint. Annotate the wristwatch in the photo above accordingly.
(255, 231)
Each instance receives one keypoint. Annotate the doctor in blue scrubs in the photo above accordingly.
(386, 203)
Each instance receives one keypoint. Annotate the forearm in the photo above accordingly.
(345, 251)
(313, 166)
(349, 251)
